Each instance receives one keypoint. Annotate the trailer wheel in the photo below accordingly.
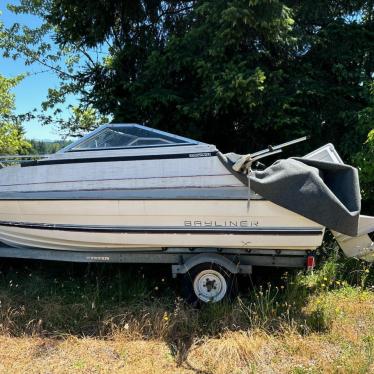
(208, 283)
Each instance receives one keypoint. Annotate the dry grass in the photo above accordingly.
(91, 320)
(87, 355)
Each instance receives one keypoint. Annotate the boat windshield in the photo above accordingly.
(128, 136)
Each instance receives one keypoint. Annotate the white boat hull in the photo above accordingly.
(138, 224)
(141, 198)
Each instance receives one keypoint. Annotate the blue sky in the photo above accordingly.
(33, 89)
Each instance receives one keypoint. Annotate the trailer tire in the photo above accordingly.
(208, 283)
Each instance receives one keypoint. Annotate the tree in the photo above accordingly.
(365, 158)
(11, 132)
(177, 65)
(82, 121)
(240, 74)
(41, 147)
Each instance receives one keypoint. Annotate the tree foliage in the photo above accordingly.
(11, 132)
(365, 158)
(42, 147)
(366, 161)
(82, 121)
(240, 74)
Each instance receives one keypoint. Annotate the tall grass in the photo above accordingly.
(296, 322)
(57, 299)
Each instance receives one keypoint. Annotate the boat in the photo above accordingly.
(129, 187)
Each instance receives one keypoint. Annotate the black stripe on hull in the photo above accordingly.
(127, 194)
(166, 230)
(117, 158)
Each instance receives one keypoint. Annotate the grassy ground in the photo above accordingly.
(63, 318)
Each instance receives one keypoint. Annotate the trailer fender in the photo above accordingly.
(206, 258)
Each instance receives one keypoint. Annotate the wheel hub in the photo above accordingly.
(210, 286)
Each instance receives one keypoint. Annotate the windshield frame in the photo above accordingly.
(183, 141)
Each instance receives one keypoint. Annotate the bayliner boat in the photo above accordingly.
(131, 187)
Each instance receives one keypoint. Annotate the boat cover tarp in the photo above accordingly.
(325, 192)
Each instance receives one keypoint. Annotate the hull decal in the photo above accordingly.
(116, 158)
(168, 229)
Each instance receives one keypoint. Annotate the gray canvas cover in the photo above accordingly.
(325, 192)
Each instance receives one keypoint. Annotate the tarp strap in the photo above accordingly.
(249, 172)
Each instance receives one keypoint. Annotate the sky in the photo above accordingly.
(30, 93)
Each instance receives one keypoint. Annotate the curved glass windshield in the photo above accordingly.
(128, 137)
